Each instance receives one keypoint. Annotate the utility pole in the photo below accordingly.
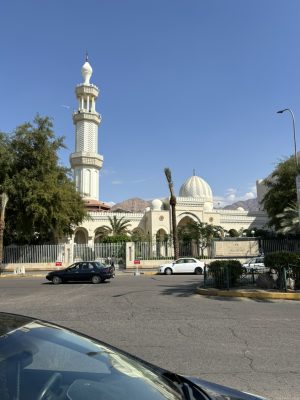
(3, 202)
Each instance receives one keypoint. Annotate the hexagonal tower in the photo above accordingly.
(85, 161)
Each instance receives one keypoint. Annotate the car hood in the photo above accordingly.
(219, 392)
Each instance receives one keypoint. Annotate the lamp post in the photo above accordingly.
(294, 132)
(3, 202)
(296, 159)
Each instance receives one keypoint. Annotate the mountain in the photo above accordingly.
(137, 205)
(134, 205)
(247, 205)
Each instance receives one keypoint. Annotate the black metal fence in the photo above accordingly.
(276, 245)
(226, 277)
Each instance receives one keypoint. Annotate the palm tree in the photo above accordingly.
(117, 227)
(173, 212)
(289, 219)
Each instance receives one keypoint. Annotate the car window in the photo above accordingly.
(74, 267)
(86, 266)
(180, 261)
(99, 265)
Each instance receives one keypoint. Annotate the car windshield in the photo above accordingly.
(41, 361)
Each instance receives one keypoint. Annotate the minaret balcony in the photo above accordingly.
(86, 159)
(84, 90)
(84, 115)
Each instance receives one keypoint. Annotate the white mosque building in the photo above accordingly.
(195, 200)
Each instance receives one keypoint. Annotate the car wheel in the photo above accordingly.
(56, 280)
(96, 279)
(198, 271)
(168, 271)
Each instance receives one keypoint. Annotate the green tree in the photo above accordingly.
(202, 233)
(43, 205)
(118, 228)
(173, 211)
(281, 192)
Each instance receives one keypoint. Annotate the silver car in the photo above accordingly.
(255, 264)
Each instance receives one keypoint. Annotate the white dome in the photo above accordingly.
(156, 205)
(86, 72)
(196, 187)
(240, 209)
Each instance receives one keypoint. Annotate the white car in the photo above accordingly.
(255, 263)
(183, 265)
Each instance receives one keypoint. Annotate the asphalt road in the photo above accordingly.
(247, 344)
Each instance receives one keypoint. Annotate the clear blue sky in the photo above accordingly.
(184, 84)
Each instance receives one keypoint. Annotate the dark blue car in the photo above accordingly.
(92, 271)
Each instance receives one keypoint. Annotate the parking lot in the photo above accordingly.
(250, 345)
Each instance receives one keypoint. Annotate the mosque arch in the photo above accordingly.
(161, 235)
(184, 218)
(81, 236)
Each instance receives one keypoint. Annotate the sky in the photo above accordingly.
(184, 84)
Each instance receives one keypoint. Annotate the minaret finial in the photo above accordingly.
(86, 56)
(194, 172)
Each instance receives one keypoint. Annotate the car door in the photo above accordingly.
(72, 273)
(178, 266)
(85, 271)
(259, 263)
(190, 265)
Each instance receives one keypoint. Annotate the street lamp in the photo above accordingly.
(3, 202)
(296, 159)
(294, 132)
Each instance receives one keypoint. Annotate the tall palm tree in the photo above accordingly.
(173, 211)
(117, 227)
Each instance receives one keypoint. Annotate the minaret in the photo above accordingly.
(85, 161)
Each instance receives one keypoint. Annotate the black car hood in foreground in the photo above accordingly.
(25, 341)
(219, 392)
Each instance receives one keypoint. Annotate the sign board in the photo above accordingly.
(58, 263)
(136, 261)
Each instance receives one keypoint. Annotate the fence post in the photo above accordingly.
(227, 276)
(252, 274)
(284, 279)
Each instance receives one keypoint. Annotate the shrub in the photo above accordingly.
(281, 259)
(288, 260)
(225, 272)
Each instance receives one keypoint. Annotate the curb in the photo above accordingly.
(249, 294)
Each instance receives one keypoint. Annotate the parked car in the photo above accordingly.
(43, 361)
(92, 271)
(183, 265)
(255, 264)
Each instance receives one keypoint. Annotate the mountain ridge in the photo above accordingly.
(136, 205)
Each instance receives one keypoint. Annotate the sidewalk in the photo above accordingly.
(252, 293)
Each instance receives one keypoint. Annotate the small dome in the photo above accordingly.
(196, 187)
(156, 205)
(86, 72)
(147, 209)
(240, 209)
